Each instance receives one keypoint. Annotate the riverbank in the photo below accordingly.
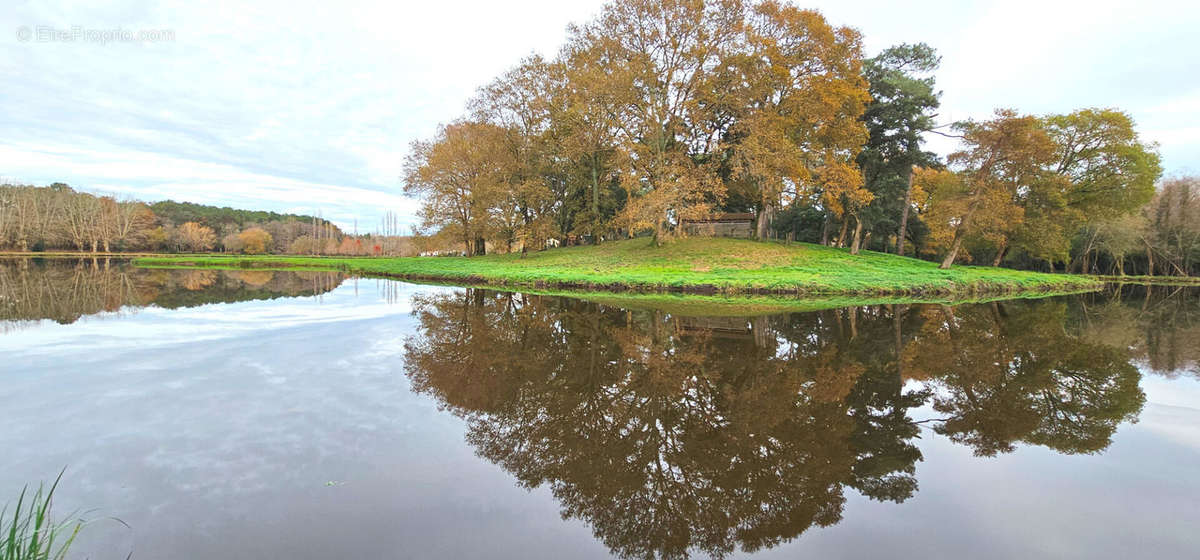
(692, 265)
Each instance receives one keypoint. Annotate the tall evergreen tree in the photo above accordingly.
(901, 111)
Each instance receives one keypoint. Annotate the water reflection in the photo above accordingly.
(1005, 373)
(64, 290)
(672, 434)
(663, 433)
(1160, 324)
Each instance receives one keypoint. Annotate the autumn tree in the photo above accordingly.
(232, 243)
(1109, 173)
(1002, 162)
(122, 224)
(195, 237)
(462, 175)
(157, 238)
(1110, 170)
(82, 221)
(793, 114)
(585, 125)
(519, 104)
(659, 53)
(255, 241)
(108, 221)
(1098, 171)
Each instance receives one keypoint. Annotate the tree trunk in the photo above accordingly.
(959, 233)
(825, 230)
(904, 214)
(954, 247)
(1150, 259)
(841, 240)
(765, 216)
(857, 243)
(595, 203)
(480, 246)
(1000, 253)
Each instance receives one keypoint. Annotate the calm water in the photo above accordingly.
(256, 414)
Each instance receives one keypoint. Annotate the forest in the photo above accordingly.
(60, 218)
(657, 112)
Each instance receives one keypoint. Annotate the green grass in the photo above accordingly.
(30, 533)
(691, 265)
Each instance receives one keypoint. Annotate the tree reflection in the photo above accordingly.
(1161, 324)
(1008, 373)
(666, 434)
(671, 434)
(64, 290)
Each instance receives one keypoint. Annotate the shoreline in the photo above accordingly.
(702, 267)
(1150, 280)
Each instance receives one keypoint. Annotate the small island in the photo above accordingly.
(701, 265)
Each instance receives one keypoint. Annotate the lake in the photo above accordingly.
(257, 414)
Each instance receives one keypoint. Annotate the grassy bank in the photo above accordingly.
(694, 265)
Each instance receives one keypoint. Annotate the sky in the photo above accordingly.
(310, 107)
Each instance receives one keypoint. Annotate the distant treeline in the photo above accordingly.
(181, 212)
(57, 218)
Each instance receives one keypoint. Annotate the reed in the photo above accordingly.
(29, 529)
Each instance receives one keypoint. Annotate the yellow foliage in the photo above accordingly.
(255, 241)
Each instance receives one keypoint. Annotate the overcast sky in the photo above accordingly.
(282, 106)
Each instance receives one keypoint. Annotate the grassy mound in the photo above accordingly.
(692, 265)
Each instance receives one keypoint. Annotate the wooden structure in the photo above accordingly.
(732, 224)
